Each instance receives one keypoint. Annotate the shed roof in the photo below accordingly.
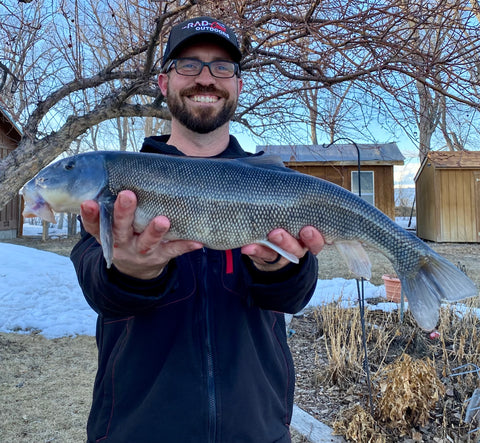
(378, 153)
(450, 160)
(454, 159)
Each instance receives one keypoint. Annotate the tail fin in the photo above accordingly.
(436, 280)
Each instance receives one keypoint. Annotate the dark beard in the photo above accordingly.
(201, 121)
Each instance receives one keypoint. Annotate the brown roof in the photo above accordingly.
(454, 159)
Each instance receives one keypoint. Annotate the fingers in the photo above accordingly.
(89, 211)
(266, 259)
(124, 213)
(287, 242)
(261, 252)
(179, 247)
(310, 239)
(153, 234)
(149, 252)
(262, 255)
(142, 255)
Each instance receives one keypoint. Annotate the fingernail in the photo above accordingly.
(307, 233)
(159, 228)
(277, 238)
(124, 201)
(87, 210)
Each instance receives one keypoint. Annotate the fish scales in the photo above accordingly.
(226, 204)
(213, 207)
(229, 215)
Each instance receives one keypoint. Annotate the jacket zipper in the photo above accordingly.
(211, 389)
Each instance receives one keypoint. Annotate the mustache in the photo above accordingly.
(199, 89)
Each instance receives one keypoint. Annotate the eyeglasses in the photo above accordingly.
(193, 66)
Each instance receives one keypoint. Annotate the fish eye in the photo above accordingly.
(69, 166)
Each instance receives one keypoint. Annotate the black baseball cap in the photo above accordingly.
(201, 29)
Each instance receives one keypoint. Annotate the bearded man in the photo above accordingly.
(192, 342)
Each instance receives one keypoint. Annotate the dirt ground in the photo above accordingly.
(45, 388)
(45, 385)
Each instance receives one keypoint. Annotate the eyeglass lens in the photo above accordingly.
(218, 68)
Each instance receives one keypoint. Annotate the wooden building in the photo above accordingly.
(10, 136)
(447, 187)
(339, 164)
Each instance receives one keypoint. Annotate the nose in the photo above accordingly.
(205, 77)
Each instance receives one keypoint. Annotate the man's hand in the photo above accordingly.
(310, 240)
(141, 255)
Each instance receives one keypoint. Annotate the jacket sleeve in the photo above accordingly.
(287, 290)
(108, 291)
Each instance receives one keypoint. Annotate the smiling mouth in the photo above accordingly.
(204, 98)
(208, 94)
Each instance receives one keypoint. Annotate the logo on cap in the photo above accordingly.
(205, 25)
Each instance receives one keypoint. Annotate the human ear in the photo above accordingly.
(163, 83)
(239, 86)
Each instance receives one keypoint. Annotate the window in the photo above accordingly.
(367, 185)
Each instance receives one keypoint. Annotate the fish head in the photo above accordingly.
(64, 185)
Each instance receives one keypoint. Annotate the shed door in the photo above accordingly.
(477, 202)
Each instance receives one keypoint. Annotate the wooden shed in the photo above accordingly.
(339, 164)
(447, 186)
(10, 136)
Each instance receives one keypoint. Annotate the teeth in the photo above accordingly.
(204, 98)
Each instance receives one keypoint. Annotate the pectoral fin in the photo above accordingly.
(282, 252)
(356, 258)
(106, 233)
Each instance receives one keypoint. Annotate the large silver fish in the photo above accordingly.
(226, 204)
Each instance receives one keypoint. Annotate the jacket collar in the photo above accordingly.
(158, 144)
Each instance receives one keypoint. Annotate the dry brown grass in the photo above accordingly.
(408, 390)
(416, 393)
(45, 388)
(359, 426)
(342, 331)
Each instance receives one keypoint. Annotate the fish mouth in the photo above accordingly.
(36, 206)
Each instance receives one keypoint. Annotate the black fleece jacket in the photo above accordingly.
(198, 354)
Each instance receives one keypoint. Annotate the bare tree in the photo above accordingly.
(411, 58)
(70, 69)
(75, 88)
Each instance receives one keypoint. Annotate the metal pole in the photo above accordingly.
(359, 162)
(360, 286)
